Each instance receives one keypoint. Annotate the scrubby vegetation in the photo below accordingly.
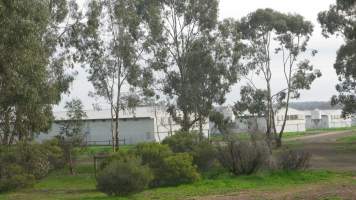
(24, 163)
(124, 177)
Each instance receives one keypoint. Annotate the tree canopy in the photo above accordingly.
(265, 32)
(340, 19)
(196, 54)
(33, 62)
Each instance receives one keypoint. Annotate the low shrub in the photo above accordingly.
(54, 153)
(33, 158)
(152, 154)
(244, 157)
(13, 176)
(178, 169)
(121, 178)
(122, 156)
(203, 152)
(294, 160)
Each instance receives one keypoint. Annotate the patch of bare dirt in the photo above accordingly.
(315, 192)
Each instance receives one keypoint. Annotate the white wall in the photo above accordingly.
(98, 132)
(328, 119)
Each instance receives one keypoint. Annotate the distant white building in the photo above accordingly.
(144, 124)
(317, 119)
(295, 122)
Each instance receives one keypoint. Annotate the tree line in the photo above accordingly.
(172, 50)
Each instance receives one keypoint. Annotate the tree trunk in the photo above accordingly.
(185, 123)
(70, 163)
(113, 128)
(117, 140)
(157, 127)
(201, 134)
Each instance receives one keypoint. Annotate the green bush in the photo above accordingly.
(13, 175)
(120, 178)
(33, 158)
(182, 142)
(203, 152)
(122, 156)
(153, 155)
(178, 169)
(54, 153)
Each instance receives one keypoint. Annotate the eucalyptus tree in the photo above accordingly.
(71, 135)
(112, 44)
(340, 19)
(196, 56)
(35, 38)
(266, 32)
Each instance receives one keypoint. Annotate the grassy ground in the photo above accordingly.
(348, 139)
(59, 185)
(82, 186)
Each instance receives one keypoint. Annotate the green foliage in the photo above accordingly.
(112, 44)
(340, 20)
(252, 100)
(178, 169)
(22, 163)
(33, 158)
(71, 135)
(120, 156)
(152, 154)
(33, 69)
(122, 178)
(13, 176)
(197, 55)
(182, 141)
(203, 152)
(268, 33)
(54, 153)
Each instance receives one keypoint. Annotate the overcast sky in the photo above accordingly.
(322, 89)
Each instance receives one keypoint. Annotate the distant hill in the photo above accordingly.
(312, 105)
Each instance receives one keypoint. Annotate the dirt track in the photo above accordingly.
(315, 192)
(322, 137)
(327, 153)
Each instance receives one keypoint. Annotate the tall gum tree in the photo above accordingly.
(340, 19)
(266, 32)
(112, 44)
(35, 38)
(196, 56)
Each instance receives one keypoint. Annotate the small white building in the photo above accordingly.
(144, 124)
(317, 119)
(295, 122)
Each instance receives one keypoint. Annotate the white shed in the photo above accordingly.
(144, 124)
(317, 119)
(295, 122)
